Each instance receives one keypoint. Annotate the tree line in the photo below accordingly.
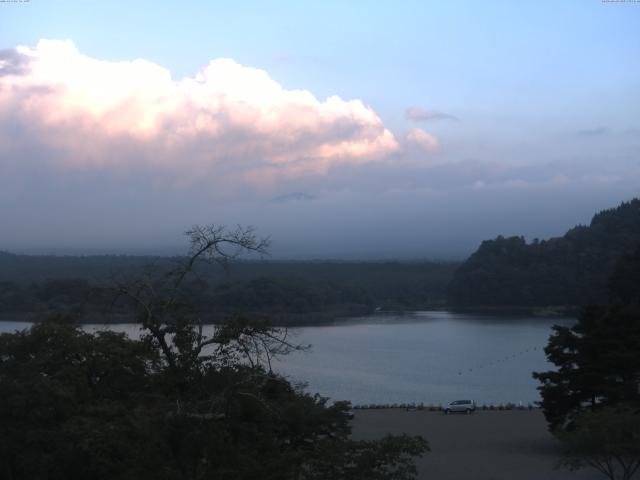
(571, 270)
(288, 292)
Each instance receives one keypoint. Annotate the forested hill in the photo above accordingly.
(287, 292)
(570, 270)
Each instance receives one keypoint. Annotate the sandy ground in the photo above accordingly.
(487, 445)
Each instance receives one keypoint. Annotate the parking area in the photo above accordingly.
(486, 445)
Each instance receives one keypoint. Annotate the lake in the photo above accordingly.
(429, 357)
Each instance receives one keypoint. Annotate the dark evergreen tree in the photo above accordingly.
(592, 400)
(598, 362)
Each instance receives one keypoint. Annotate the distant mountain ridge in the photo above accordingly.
(570, 270)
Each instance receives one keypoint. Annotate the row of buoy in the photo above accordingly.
(502, 360)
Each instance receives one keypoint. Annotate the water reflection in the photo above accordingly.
(430, 357)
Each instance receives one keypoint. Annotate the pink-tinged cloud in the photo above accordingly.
(422, 140)
(226, 121)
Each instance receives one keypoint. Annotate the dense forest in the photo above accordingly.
(566, 271)
(285, 291)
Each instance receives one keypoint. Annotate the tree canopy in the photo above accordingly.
(179, 403)
(592, 400)
(571, 270)
(598, 362)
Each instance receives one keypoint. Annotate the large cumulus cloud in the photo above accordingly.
(65, 109)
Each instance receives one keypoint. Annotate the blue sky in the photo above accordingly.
(539, 104)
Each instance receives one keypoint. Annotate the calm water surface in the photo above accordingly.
(430, 357)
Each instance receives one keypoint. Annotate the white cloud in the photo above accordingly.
(422, 139)
(227, 121)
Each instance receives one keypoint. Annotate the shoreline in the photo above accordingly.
(311, 319)
(439, 407)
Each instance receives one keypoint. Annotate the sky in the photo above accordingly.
(364, 130)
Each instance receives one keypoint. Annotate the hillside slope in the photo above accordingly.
(568, 270)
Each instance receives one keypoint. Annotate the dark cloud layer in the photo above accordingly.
(13, 62)
(593, 132)
(417, 114)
